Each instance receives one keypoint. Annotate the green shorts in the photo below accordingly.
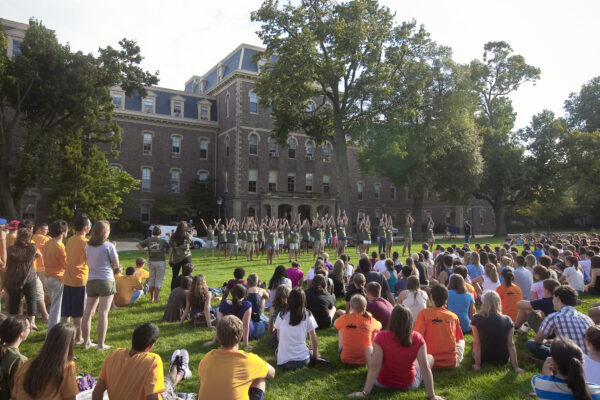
(100, 288)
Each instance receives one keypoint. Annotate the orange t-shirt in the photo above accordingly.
(76, 273)
(510, 296)
(126, 285)
(357, 334)
(67, 389)
(441, 330)
(132, 377)
(471, 290)
(40, 241)
(11, 238)
(55, 259)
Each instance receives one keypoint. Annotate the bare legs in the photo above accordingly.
(90, 309)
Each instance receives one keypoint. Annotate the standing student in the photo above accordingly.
(430, 234)
(55, 262)
(13, 331)
(101, 257)
(210, 236)
(408, 223)
(40, 237)
(76, 276)
(179, 250)
(156, 249)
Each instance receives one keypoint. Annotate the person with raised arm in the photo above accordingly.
(210, 235)
(342, 224)
(408, 223)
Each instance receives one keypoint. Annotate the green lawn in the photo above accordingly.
(307, 383)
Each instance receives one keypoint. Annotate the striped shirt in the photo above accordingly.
(568, 323)
(553, 388)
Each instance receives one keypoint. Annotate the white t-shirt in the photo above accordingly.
(488, 285)
(349, 269)
(415, 303)
(379, 266)
(292, 339)
(591, 370)
(574, 278)
(587, 266)
(310, 275)
(98, 261)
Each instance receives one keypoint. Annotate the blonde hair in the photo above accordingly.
(358, 303)
(99, 233)
(252, 280)
(506, 261)
(491, 272)
(491, 304)
(475, 259)
(530, 260)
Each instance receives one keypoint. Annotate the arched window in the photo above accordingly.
(227, 97)
(253, 103)
(309, 150)
(326, 152)
(291, 148)
(253, 144)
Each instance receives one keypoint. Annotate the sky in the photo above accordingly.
(181, 38)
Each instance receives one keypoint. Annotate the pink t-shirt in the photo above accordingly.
(295, 274)
(397, 369)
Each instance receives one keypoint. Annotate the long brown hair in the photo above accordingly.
(47, 368)
(10, 330)
(198, 292)
(180, 233)
(401, 323)
(99, 233)
(23, 237)
(457, 283)
(568, 360)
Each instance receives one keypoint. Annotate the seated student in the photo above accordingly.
(380, 308)
(292, 325)
(446, 269)
(295, 274)
(140, 272)
(445, 341)
(532, 313)
(357, 286)
(320, 302)
(400, 359)
(13, 331)
(462, 271)
(540, 274)
(258, 297)
(133, 373)
(356, 331)
(229, 373)
(565, 322)
(129, 288)
(493, 335)
(573, 274)
(310, 275)
(460, 302)
(562, 374)
(52, 374)
(593, 287)
(523, 277)
(413, 297)
(177, 300)
(238, 274)
(591, 365)
(373, 276)
(510, 294)
(328, 281)
(197, 303)
(278, 305)
(538, 252)
(402, 281)
(488, 281)
(186, 270)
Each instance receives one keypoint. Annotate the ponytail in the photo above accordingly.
(508, 276)
(492, 272)
(238, 294)
(576, 381)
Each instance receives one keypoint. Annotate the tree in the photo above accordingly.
(328, 52)
(583, 108)
(51, 97)
(427, 139)
(502, 180)
(202, 200)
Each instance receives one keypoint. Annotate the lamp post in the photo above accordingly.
(219, 202)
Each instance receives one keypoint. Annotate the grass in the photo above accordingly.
(307, 383)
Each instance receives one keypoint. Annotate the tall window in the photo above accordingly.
(204, 113)
(272, 147)
(481, 217)
(272, 181)
(202, 176)
(309, 150)
(253, 103)
(144, 213)
(253, 144)
(326, 183)
(148, 105)
(146, 176)
(291, 182)
(251, 211)
(227, 146)
(118, 100)
(227, 98)
(359, 189)
(175, 177)
(326, 152)
(377, 189)
(291, 148)
(177, 109)
(447, 216)
(393, 192)
(309, 182)
(204, 149)
(147, 143)
(252, 178)
(176, 146)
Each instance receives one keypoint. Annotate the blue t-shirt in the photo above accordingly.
(474, 270)
(524, 280)
(460, 304)
(226, 309)
(538, 253)
(544, 304)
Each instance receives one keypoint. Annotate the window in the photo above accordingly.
(253, 103)
(177, 109)
(359, 189)
(148, 105)
(309, 182)
(226, 182)
(176, 146)
(204, 113)
(291, 148)
(204, 107)
(146, 174)
(251, 211)
(175, 177)
(393, 192)
(291, 182)
(377, 190)
(261, 65)
(227, 146)
(118, 100)
(325, 183)
(204, 149)
(309, 150)
(273, 147)
(227, 98)
(116, 167)
(202, 176)
(447, 216)
(16, 50)
(252, 178)
(310, 107)
(481, 217)
(117, 145)
(144, 213)
(272, 181)
(326, 152)
(147, 144)
(253, 144)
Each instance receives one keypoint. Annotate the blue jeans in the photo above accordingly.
(381, 244)
(467, 238)
(291, 365)
(259, 329)
(540, 351)
(136, 295)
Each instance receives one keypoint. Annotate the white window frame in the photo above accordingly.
(176, 154)
(251, 96)
(149, 207)
(377, 191)
(250, 145)
(177, 100)
(227, 100)
(149, 96)
(294, 147)
(172, 181)
(253, 173)
(393, 192)
(360, 191)
(327, 156)
(273, 148)
(146, 188)
(272, 181)
(293, 176)
(328, 183)
(310, 107)
(201, 172)
(151, 135)
(200, 149)
(309, 177)
(204, 105)
(309, 155)
(114, 93)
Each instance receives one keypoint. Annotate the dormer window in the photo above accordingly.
(220, 72)
(177, 106)
(149, 103)
(118, 102)
(204, 107)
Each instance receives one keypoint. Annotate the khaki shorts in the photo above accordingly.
(318, 246)
(100, 288)
(157, 273)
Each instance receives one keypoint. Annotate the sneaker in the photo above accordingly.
(185, 360)
(175, 359)
(524, 329)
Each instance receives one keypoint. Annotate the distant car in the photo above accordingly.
(166, 230)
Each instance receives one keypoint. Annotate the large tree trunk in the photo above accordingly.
(7, 202)
(418, 233)
(499, 213)
(341, 160)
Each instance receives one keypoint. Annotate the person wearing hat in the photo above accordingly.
(12, 233)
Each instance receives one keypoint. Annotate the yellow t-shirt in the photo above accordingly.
(40, 241)
(68, 388)
(76, 273)
(228, 374)
(126, 285)
(55, 259)
(132, 377)
(142, 274)
(11, 238)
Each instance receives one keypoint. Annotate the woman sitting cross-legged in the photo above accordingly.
(356, 331)
(399, 359)
(197, 303)
(493, 335)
